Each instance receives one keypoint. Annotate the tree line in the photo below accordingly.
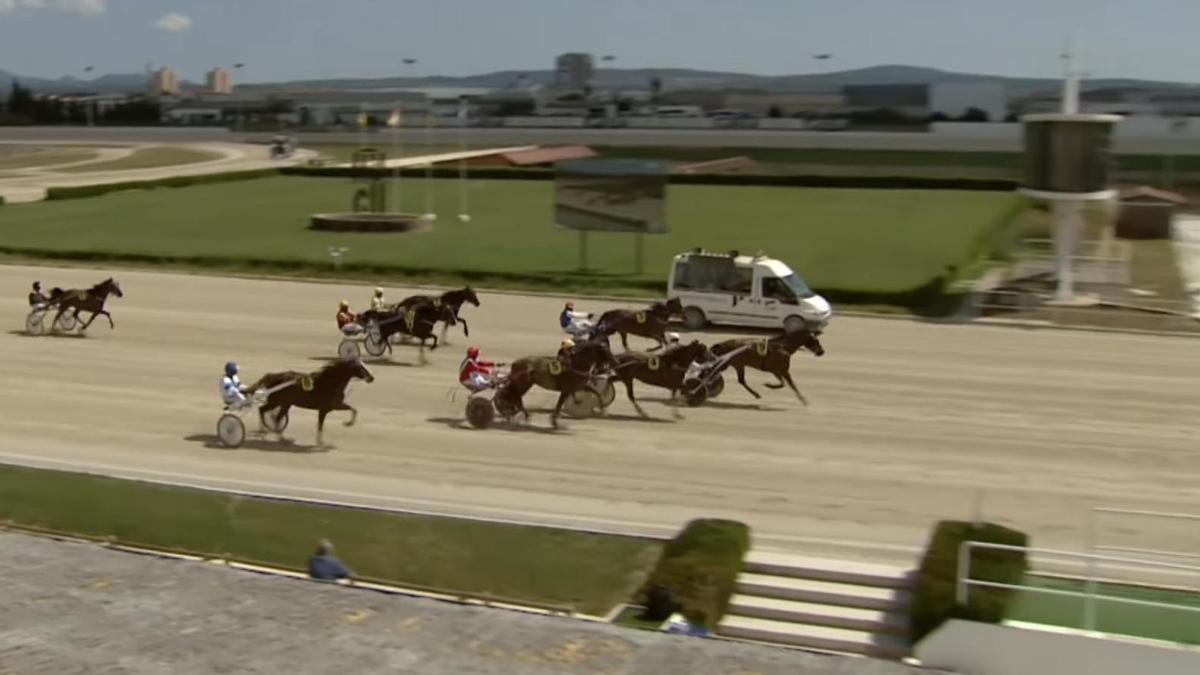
(24, 107)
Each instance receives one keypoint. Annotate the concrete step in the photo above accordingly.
(833, 616)
(815, 637)
(820, 569)
(823, 592)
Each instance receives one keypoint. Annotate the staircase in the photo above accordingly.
(831, 605)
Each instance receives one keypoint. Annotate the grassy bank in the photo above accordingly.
(593, 573)
(870, 246)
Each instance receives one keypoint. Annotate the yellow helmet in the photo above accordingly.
(345, 304)
(378, 290)
(567, 342)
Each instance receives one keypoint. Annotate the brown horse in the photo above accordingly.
(572, 371)
(452, 299)
(649, 323)
(666, 370)
(773, 355)
(89, 300)
(418, 322)
(323, 391)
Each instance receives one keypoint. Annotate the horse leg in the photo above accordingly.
(629, 392)
(421, 353)
(466, 331)
(741, 373)
(625, 340)
(89, 321)
(562, 397)
(353, 413)
(108, 316)
(787, 377)
(435, 341)
(321, 426)
(674, 403)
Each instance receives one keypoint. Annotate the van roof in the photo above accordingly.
(777, 267)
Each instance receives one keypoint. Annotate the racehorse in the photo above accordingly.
(568, 374)
(417, 322)
(649, 323)
(89, 300)
(323, 391)
(773, 355)
(666, 370)
(452, 299)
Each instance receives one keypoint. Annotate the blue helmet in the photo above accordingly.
(230, 369)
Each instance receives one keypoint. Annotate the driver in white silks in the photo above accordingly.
(672, 342)
(232, 390)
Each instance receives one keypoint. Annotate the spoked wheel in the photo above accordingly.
(695, 392)
(348, 350)
(34, 323)
(374, 344)
(608, 392)
(582, 404)
(716, 386)
(230, 430)
(66, 322)
(504, 404)
(479, 412)
(276, 423)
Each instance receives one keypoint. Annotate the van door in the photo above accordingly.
(776, 300)
(740, 287)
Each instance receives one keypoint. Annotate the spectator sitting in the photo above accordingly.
(324, 566)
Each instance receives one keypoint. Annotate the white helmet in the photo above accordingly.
(567, 342)
(672, 337)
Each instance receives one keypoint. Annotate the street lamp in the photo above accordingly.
(241, 123)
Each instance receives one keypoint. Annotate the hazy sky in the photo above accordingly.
(293, 39)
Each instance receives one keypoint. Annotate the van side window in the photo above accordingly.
(712, 277)
(773, 288)
(682, 278)
(741, 281)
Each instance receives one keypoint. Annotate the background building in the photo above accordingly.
(217, 81)
(573, 71)
(163, 82)
(954, 99)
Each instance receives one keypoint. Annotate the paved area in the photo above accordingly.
(909, 422)
(78, 608)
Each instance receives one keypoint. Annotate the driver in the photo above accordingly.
(36, 297)
(564, 349)
(475, 373)
(573, 322)
(232, 391)
(346, 320)
(377, 304)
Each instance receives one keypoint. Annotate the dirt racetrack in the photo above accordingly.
(910, 422)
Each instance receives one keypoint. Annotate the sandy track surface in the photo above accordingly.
(909, 422)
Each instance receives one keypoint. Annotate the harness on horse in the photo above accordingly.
(410, 319)
(306, 383)
(640, 317)
(762, 347)
(556, 367)
(653, 363)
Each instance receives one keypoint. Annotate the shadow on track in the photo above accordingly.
(211, 441)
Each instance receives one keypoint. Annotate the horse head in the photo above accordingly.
(107, 286)
(591, 354)
(693, 351)
(674, 307)
(358, 370)
(468, 294)
(806, 339)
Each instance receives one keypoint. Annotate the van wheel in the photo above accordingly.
(693, 318)
(794, 323)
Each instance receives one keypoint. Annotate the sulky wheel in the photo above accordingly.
(608, 392)
(277, 422)
(479, 412)
(348, 350)
(694, 392)
(66, 322)
(715, 386)
(230, 430)
(582, 404)
(375, 345)
(34, 324)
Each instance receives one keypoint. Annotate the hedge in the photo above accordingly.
(81, 191)
(699, 568)
(735, 179)
(934, 594)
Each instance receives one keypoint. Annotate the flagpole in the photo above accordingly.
(395, 124)
(430, 213)
(463, 207)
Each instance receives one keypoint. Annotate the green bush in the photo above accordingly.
(699, 567)
(736, 179)
(934, 598)
(82, 191)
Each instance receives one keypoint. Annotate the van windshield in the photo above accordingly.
(798, 286)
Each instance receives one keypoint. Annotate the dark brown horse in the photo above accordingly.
(571, 371)
(323, 391)
(418, 322)
(666, 370)
(772, 355)
(452, 299)
(89, 300)
(649, 323)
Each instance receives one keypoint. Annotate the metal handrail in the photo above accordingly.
(1090, 595)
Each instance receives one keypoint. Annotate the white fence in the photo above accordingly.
(1091, 579)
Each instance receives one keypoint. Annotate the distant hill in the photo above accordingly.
(624, 78)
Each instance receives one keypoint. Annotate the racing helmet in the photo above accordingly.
(345, 304)
(570, 305)
(378, 290)
(672, 337)
(472, 352)
(231, 369)
(37, 285)
(567, 342)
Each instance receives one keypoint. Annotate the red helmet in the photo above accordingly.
(570, 305)
(472, 352)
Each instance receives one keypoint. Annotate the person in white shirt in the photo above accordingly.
(231, 387)
(377, 303)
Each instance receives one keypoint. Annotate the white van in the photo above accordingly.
(742, 290)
